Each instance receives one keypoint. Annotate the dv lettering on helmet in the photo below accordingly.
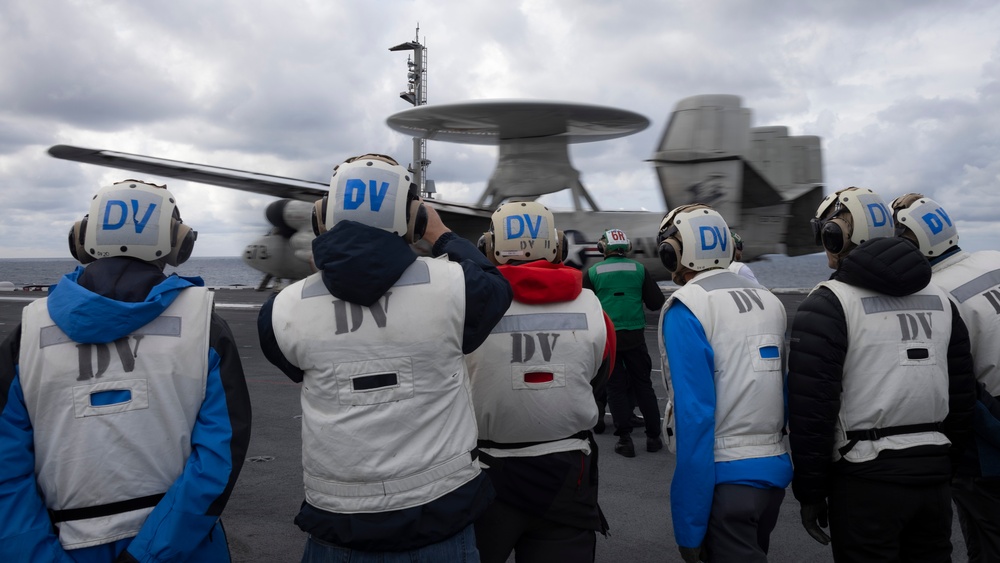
(936, 220)
(516, 226)
(116, 213)
(879, 214)
(354, 193)
(711, 236)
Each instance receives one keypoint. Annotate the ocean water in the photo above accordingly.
(773, 271)
(217, 272)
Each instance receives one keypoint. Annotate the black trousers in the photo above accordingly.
(632, 374)
(741, 522)
(872, 521)
(546, 509)
(978, 505)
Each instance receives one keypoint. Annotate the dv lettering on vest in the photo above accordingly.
(523, 347)
(746, 299)
(517, 226)
(379, 312)
(126, 354)
(914, 326)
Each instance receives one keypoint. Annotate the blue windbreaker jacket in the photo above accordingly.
(109, 299)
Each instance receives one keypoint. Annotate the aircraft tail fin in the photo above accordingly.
(766, 183)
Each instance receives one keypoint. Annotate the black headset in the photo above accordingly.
(833, 234)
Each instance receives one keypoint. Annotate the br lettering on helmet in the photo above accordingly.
(523, 231)
(925, 222)
(375, 190)
(134, 219)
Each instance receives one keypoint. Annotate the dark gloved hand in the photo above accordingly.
(692, 554)
(813, 519)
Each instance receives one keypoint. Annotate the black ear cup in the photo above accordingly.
(835, 235)
(181, 244)
(77, 234)
(416, 223)
(481, 244)
(319, 216)
(562, 249)
(416, 215)
(670, 254)
(487, 248)
(600, 246)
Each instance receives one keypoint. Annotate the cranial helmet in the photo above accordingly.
(614, 241)
(695, 237)
(851, 215)
(135, 219)
(737, 241)
(523, 231)
(926, 222)
(375, 190)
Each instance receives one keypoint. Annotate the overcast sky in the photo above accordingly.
(904, 94)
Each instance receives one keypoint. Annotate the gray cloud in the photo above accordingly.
(905, 95)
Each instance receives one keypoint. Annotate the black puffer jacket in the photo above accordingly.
(819, 339)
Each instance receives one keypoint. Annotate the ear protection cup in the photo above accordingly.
(835, 235)
(181, 244)
(77, 233)
(602, 245)
(670, 254)
(487, 247)
(416, 216)
(562, 248)
(319, 216)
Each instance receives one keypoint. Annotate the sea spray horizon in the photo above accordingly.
(216, 271)
(773, 271)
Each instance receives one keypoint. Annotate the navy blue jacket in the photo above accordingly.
(359, 264)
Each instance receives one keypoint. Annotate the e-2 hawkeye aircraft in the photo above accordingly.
(766, 183)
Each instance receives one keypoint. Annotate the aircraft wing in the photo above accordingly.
(467, 221)
(264, 184)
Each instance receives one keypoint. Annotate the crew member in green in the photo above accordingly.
(624, 286)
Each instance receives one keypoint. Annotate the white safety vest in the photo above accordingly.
(745, 325)
(112, 422)
(387, 419)
(973, 283)
(895, 375)
(531, 378)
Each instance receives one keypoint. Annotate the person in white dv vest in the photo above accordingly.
(722, 342)
(533, 386)
(738, 267)
(377, 337)
(880, 391)
(124, 412)
(972, 281)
